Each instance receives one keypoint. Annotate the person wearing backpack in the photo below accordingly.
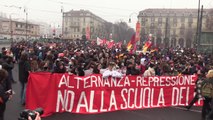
(207, 92)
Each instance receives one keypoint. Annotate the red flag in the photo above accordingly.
(88, 33)
(131, 43)
(119, 44)
(104, 41)
(99, 41)
(110, 44)
(137, 35)
(147, 45)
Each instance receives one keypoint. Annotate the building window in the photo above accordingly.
(182, 32)
(84, 20)
(152, 24)
(152, 19)
(175, 20)
(182, 19)
(190, 20)
(182, 25)
(143, 19)
(160, 20)
(190, 25)
(18, 25)
(174, 31)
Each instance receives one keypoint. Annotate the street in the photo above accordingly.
(172, 113)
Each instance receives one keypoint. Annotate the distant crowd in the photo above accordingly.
(84, 58)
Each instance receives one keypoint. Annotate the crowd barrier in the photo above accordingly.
(57, 93)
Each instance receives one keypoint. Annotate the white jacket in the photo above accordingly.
(149, 72)
(112, 73)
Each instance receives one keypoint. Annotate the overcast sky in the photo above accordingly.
(111, 10)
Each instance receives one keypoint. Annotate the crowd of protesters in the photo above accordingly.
(83, 58)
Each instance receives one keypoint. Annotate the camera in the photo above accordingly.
(26, 113)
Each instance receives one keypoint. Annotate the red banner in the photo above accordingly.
(88, 33)
(94, 94)
(137, 34)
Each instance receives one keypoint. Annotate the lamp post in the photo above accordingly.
(131, 16)
(62, 12)
(25, 11)
(198, 21)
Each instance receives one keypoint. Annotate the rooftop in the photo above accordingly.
(170, 12)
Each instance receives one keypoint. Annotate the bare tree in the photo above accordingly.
(108, 29)
(122, 31)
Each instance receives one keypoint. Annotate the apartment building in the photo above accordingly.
(77, 22)
(171, 27)
(20, 30)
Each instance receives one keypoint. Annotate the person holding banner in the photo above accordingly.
(24, 70)
(209, 76)
(111, 72)
(207, 105)
(150, 71)
(131, 69)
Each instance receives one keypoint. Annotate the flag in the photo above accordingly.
(99, 41)
(131, 43)
(137, 34)
(148, 43)
(146, 46)
(104, 41)
(110, 44)
(88, 33)
(119, 44)
(153, 50)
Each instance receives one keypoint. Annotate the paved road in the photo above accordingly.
(172, 113)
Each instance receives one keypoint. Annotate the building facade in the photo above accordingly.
(171, 27)
(10, 29)
(76, 23)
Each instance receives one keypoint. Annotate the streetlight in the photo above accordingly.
(25, 11)
(62, 12)
(198, 21)
(131, 16)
